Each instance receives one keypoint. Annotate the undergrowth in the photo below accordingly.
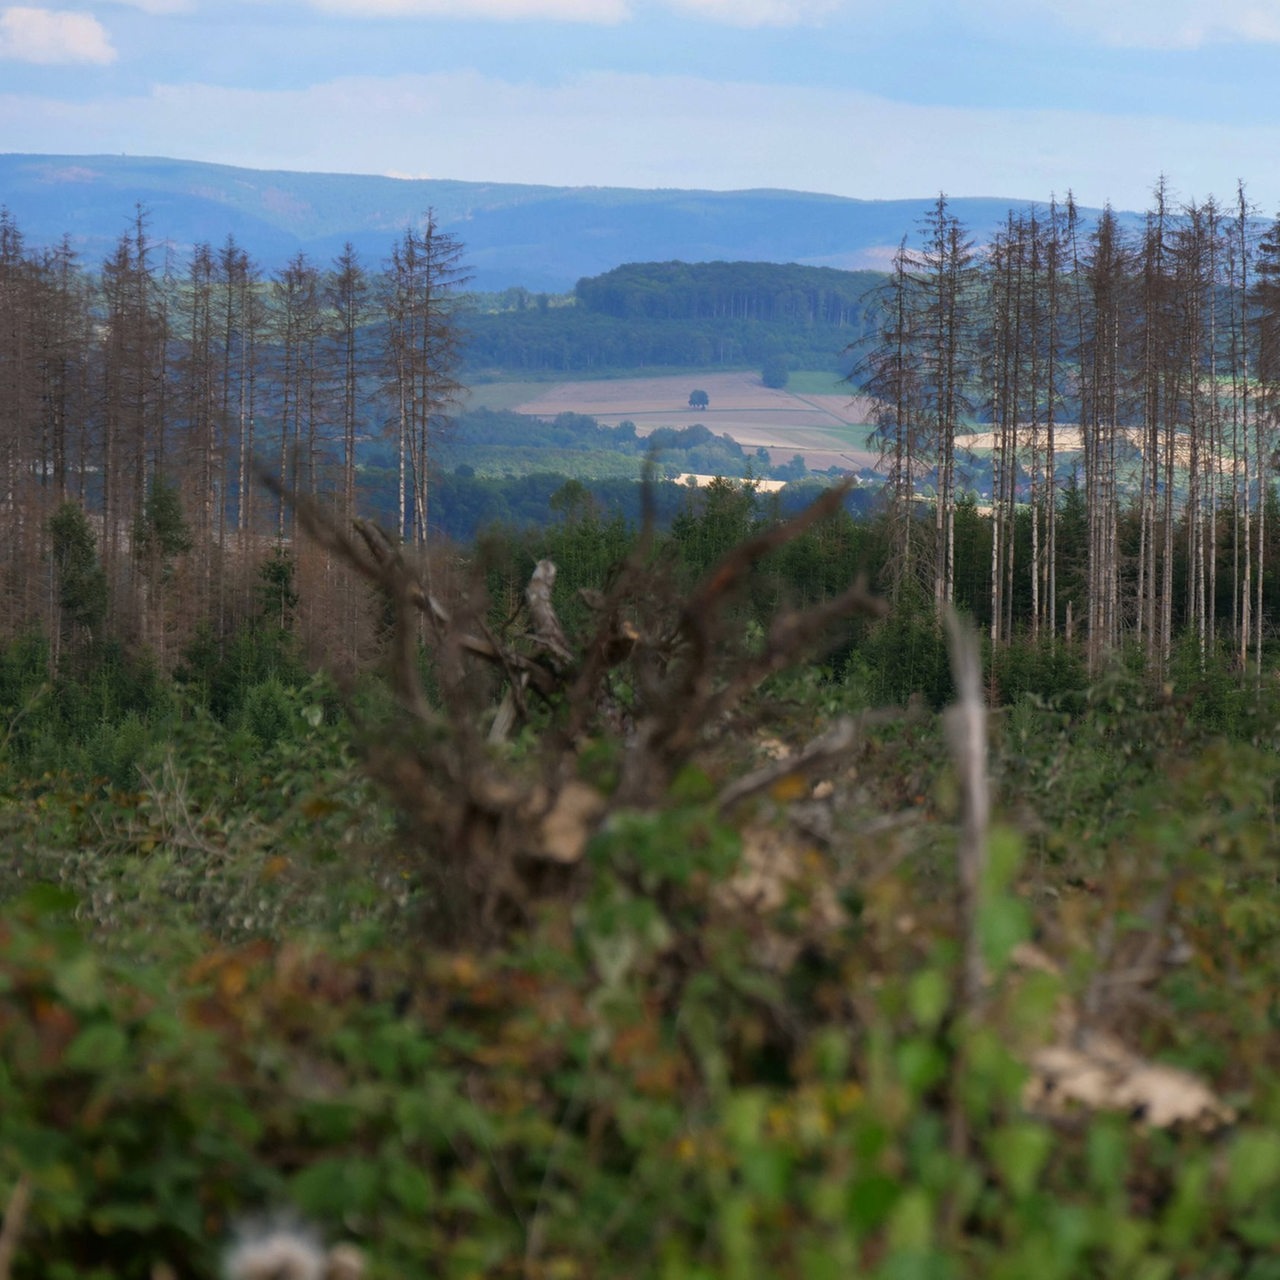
(705, 1017)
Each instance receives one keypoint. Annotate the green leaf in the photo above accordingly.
(1189, 1208)
(409, 1186)
(336, 1186)
(78, 981)
(46, 899)
(737, 1237)
(1071, 1225)
(98, 1048)
(831, 1053)
(1154, 1267)
(1254, 1165)
(1108, 1153)
(744, 1117)
(1004, 857)
(921, 1064)
(1002, 924)
(766, 1171)
(692, 785)
(1034, 1002)
(871, 1197)
(1020, 1151)
(911, 1222)
(1262, 1231)
(928, 995)
(329, 1122)
(1126, 1238)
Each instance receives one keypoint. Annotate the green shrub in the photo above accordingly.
(728, 1034)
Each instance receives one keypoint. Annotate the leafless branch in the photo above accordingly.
(487, 818)
(15, 1217)
(827, 747)
(966, 723)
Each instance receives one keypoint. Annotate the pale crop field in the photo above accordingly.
(826, 429)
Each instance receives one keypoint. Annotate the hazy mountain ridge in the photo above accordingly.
(541, 237)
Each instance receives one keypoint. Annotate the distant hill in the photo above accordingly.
(541, 238)
(680, 315)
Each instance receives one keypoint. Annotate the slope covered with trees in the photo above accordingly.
(677, 315)
(1137, 367)
(626, 897)
(609, 918)
(147, 395)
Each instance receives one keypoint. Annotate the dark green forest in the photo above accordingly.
(678, 315)
(644, 881)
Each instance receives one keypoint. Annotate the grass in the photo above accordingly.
(817, 382)
(852, 435)
(502, 395)
(506, 394)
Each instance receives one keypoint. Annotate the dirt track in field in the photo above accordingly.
(816, 426)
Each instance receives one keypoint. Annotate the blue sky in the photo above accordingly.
(1021, 99)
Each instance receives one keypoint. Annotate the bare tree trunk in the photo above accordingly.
(422, 353)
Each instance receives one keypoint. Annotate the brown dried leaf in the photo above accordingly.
(777, 868)
(570, 822)
(1101, 1074)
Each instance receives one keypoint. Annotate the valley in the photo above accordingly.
(818, 419)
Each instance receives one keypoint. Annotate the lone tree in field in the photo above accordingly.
(775, 373)
(698, 399)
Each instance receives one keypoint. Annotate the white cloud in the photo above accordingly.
(600, 11)
(1179, 24)
(738, 13)
(51, 36)
(160, 6)
(1146, 24)
(758, 13)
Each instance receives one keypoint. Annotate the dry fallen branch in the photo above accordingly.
(835, 743)
(692, 695)
(778, 869)
(503, 828)
(15, 1217)
(686, 686)
(966, 725)
(547, 630)
(1086, 1070)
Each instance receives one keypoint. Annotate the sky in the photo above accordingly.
(876, 99)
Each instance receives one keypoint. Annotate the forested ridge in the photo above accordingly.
(661, 882)
(767, 291)
(679, 315)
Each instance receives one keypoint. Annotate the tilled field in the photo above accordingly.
(828, 430)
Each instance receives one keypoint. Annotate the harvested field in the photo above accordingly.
(827, 430)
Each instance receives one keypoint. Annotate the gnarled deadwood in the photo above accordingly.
(497, 827)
